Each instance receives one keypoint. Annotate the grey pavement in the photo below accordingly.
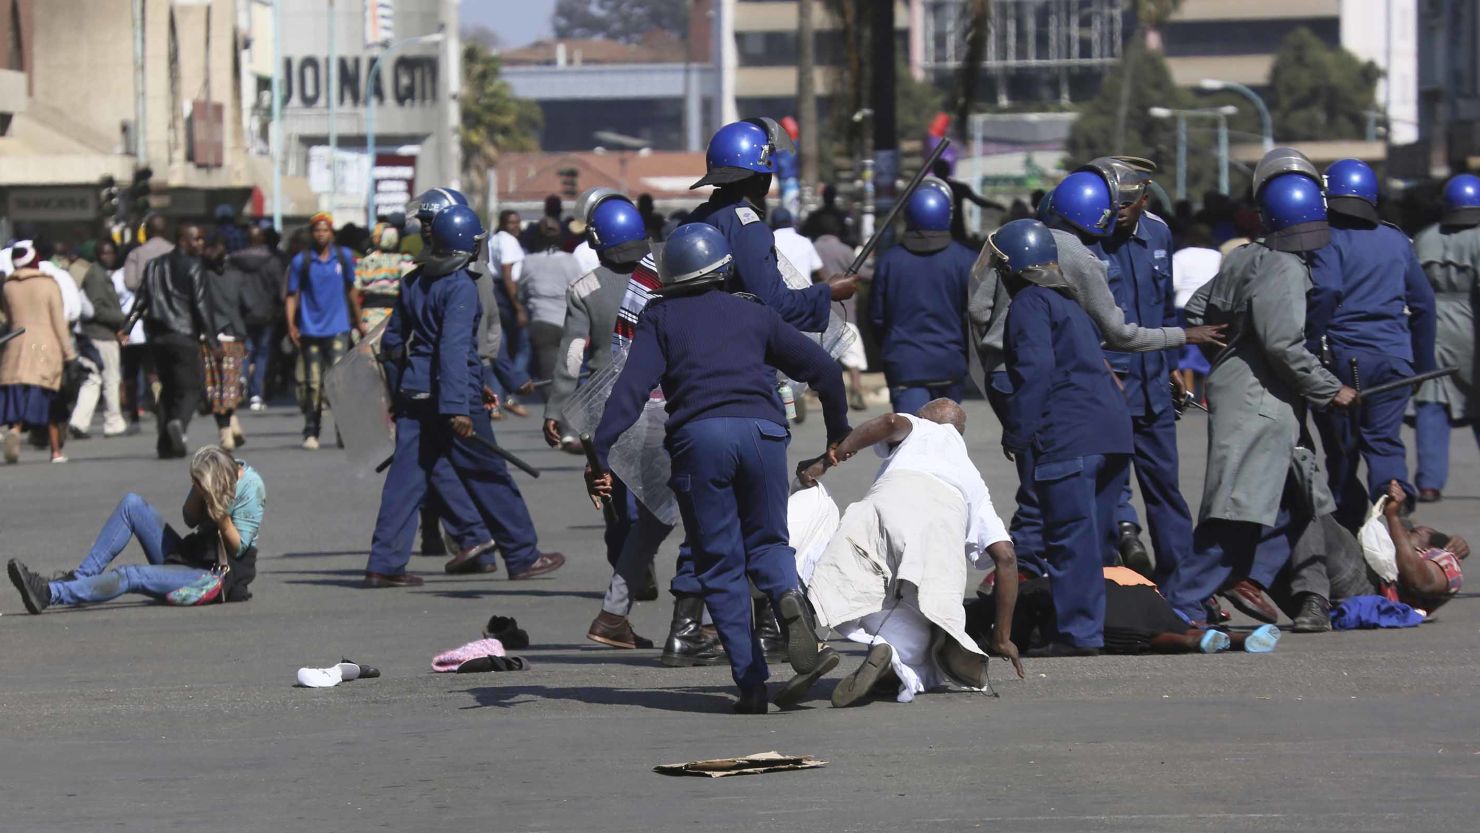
(135, 717)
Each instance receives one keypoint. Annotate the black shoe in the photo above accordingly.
(752, 701)
(1065, 649)
(688, 645)
(797, 687)
(1314, 615)
(1133, 553)
(649, 590)
(861, 683)
(431, 533)
(34, 590)
(77, 433)
(507, 631)
(799, 625)
(768, 631)
(174, 434)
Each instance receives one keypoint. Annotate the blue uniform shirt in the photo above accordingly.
(320, 286)
(1140, 277)
(436, 320)
(754, 248)
(1371, 295)
(713, 353)
(917, 305)
(1063, 403)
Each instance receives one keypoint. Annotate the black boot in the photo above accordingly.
(1314, 615)
(648, 592)
(1133, 553)
(431, 533)
(768, 631)
(799, 624)
(687, 643)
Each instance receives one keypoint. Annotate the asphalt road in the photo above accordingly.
(136, 717)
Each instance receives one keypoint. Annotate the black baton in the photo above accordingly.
(496, 449)
(1403, 383)
(608, 511)
(873, 241)
(12, 334)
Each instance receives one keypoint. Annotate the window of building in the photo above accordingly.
(16, 46)
(1221, 37)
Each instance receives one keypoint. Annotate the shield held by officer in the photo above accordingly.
(356, 389)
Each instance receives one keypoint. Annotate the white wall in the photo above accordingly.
(1385, 32)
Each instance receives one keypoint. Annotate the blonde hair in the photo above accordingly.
(214, 471)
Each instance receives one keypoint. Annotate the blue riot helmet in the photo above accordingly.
(615, 221)
(928, 209)
(743, 149)
(695, 255)
(1462, 200)
(1084, 201)
(1294, 213)
(1127, 176)
(1024, 244)
(1351, 189)
(1283, 160)
(431, 202)
(455, 238)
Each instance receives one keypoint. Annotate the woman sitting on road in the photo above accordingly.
(215, 562)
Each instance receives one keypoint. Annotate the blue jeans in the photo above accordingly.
(260, 341)
(730, 478)
(907, 399)
(133, 518)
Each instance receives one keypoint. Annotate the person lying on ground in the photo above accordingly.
(926, 501)
(216, 560)
(1138, 620)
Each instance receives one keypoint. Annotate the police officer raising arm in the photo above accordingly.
(740, 161)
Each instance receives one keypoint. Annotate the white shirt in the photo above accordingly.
(126, 302)
(939, 450)
(586, 257)
(798, 251)
(505, 248)
(1191, 268)
(74, 306)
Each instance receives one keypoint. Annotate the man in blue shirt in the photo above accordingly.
(1371, 313)
(1066, 411)
(741, 160)
(1139, 259)
(918, 304)
(713, 353)
(321, 308)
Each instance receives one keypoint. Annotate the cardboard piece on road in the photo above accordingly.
(747, 765)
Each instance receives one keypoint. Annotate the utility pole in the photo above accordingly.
(807, 104)
(333, 98)
(275, 136)
(453, 68)
(141, 109)
(886, 140)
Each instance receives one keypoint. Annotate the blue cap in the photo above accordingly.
(1351, 178)
(1462, 191)
(1024, 244)
(928, 210)
(615, 221)
(1083, 201)
(1290, 199)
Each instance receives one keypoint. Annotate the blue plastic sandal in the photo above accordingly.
(1214, 642)
(1262, 640)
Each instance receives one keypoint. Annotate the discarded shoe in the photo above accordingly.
(507, 631)
(483, 665)
(1262, 640)
(454, 659)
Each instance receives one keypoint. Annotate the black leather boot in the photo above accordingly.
(687, 644)
(768, 631)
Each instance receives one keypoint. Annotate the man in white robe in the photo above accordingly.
(893, 575)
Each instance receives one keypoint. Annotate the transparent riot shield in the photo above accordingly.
(356, 389)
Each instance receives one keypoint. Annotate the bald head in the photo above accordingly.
(944, 412)
(155, 226)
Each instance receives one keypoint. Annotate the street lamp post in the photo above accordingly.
(434, 37)
(333, 97)
(1221, 114)
(1214, 85)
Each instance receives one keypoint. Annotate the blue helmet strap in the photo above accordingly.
(922, 242)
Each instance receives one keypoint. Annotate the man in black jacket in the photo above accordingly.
(172, 302)
(262, 271)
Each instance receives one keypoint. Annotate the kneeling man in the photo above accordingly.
(926, 500)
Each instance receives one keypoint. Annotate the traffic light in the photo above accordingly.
(569, 185)
(108, 194)
(138, 191)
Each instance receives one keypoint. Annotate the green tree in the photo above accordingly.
(621, 20)
(493, 118)
(1317, 92)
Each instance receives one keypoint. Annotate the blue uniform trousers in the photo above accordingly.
(731, 480)
(496, 496)
(1079, 496)
(423, 443)
(1026, 527)
(907, 399)
(1155, 457)
(1431, 433)
(1373, 429)
(1225, 551)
